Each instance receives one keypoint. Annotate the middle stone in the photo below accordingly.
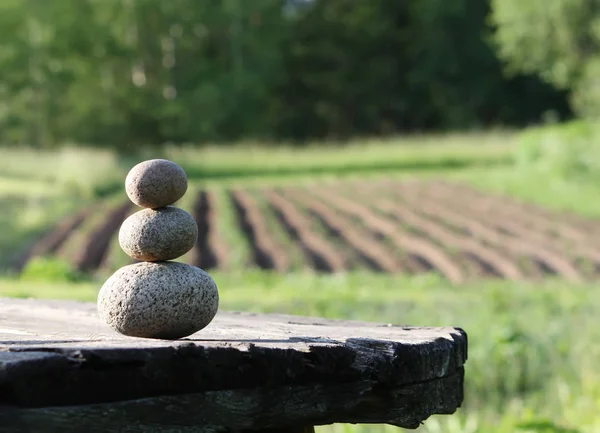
(158, 234)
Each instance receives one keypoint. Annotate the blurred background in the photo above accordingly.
(430, 163)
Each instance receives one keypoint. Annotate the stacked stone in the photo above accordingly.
(158, 298)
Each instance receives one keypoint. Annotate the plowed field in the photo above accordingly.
(387, 226)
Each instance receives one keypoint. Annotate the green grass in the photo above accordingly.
(543, 189)
(411, 153)
(91, 170)
(238, 246)
(533, 349)
(38, 187)
(79, 171)
(27, 212)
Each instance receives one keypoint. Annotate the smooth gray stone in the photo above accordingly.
(158, 234)
(165, 300)
(156, 183)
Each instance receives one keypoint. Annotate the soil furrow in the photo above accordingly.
(52, 240)
(512, 224)
(365, 245)
(322, 255)
(267, 254)
(208, 252)
(571, 227)
(95, 250)
(551, 262)
(409, 263)
(115, 259)
(511, 228)
(584, 256)
(475, 266)
(493, 262)
(217, 244)
(428, 252)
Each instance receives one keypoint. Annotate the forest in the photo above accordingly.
(409, 162)
(123, 73)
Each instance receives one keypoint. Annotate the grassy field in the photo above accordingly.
(426, 153)
(37, 187)
(533, 347)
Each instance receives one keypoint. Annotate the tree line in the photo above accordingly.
(129, 72)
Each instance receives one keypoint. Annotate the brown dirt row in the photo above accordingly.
(572, 227)
(513, 225)
(512, 220)
(115, 258)
(494, 262)
(366, 246)
(209, 252)
(408, 262)
(69, 249)
(508, 224)
(322, 255)
(529, 214)
(49, 243)
(219, 246)
(425, 250)
(476, 259)
(551, 262)
(428, 191)
(267, 254)
(96, 249)
(353, 259)
(399, 193)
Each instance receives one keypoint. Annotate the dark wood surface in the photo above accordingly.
(62, 369)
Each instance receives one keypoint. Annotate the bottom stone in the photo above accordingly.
(165, 300)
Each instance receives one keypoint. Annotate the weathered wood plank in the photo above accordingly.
(61, 366)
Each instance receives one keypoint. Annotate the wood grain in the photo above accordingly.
(61, 368)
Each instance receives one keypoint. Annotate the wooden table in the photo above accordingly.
(63, 370)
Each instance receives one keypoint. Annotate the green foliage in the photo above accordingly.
(456, 74)
(558, 40)
(137, 72)
(49, 269)
(586, 90)
(386, 66)
(81, 173)
(29, 207)
(131, 73)
(544, 426)
(567, 151)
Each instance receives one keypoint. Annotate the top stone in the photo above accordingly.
(156, 183)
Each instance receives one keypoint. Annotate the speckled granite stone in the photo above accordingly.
(156, 183)
(165, 300)
(158, 234)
